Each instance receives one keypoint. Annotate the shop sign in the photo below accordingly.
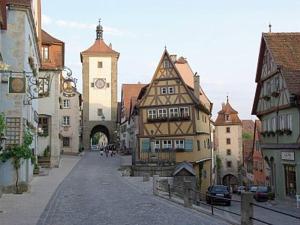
(288, 156)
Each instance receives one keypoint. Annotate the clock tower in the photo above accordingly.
(99, 77)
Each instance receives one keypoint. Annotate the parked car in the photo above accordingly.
(218, 194)
(253, 188)
(241, 189)
(263, 193)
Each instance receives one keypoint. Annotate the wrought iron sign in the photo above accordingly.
(68, 84)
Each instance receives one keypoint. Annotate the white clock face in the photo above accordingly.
(100, 83)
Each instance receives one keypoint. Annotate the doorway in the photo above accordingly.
(290, 179)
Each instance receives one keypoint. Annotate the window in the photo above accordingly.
(227, 117)
(173, 112)
(157, 145)
(179, 144)
(198, 145)
(167, 64)
(171, 90)
(289, 121)
(66, 121)
(227, 129)
(66, 141)
(100, 65)
(100, 112)
(44, 125)
(208, 143)
(45, 53)
(228, 141)
(163, 90)
(162, 113)
(167, 144)
(274, 123)
(66, 103)
(152, 114)
(184, 112)
(13, 127)
(228, 152)
(229, 164)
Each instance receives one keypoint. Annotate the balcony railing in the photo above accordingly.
(161, 157)
(165, 119)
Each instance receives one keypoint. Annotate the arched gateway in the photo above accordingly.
(99, 76)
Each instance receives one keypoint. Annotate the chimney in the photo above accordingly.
(173, 58)
(197, 86)
(110, 45)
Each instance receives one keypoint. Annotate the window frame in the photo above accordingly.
(66, 121)
(68, 141)
(228, 152)
(179, 144)
(163, 112)
(171, 88)
(151, 114)
(172, 113)
(228, 141)
(66, 106)
(163, 90)
(227, 129)
(45, 52)
(166, 146)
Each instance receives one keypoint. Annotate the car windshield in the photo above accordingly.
(253, 188)
(219, 188)
(262, 189)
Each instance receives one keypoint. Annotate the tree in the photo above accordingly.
(17, 153)
(247, 136)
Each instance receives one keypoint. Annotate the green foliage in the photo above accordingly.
(2, 123)
(218, 163)
(47, 151)
(17, 153)
(247, 136)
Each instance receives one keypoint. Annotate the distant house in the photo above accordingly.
(276, 103)
(174, 118)
(228, 132)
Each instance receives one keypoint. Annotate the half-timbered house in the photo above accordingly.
(174, 118)
(277, 104)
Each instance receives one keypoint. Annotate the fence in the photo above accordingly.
(161, 157)
(243, 211)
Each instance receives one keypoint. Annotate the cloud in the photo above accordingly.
(69, 24)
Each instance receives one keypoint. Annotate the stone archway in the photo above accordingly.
(230, 180)
(99, 136)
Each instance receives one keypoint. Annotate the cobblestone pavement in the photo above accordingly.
(95, 193)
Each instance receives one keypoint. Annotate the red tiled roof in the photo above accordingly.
(248, 126)
(187, 75)
(128, 92)
(285, 51)
(48, 39)
(99, 46)
(233, 116)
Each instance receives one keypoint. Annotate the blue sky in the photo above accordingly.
(220, 39)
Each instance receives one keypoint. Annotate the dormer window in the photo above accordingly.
(227, 117)
(167, 64)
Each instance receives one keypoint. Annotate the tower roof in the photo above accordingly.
(227, 116)
(99, 46)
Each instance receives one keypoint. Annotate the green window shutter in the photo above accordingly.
(188, 145)
(146, 145)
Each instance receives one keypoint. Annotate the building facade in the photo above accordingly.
(70, 129)
(100, 76)
(276, 103)
(174, 115)
(52, 52)
(20, 51)
(228, 130)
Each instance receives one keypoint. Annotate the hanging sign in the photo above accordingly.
(288, 156)
(17, 85)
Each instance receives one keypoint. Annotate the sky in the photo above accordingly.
(220, 39)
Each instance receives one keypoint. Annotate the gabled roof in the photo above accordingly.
(184, 166)
(227, 110)
(48, 39)
(184, 73)
(285, 51)
(99, 47)
(187, 75)
(129, 91)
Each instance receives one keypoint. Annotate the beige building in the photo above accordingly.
(174, 118)
(228, 133)
(70, 129)
(99, 75)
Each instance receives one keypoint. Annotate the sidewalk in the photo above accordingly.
(26, 209)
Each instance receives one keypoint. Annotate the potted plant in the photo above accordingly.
(279, 132)
(287, 131)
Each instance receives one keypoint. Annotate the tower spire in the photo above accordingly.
(99, 31)
(270, 27)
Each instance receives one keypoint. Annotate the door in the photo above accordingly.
(290, 179)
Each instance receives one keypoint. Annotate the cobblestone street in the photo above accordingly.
(95, 193)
